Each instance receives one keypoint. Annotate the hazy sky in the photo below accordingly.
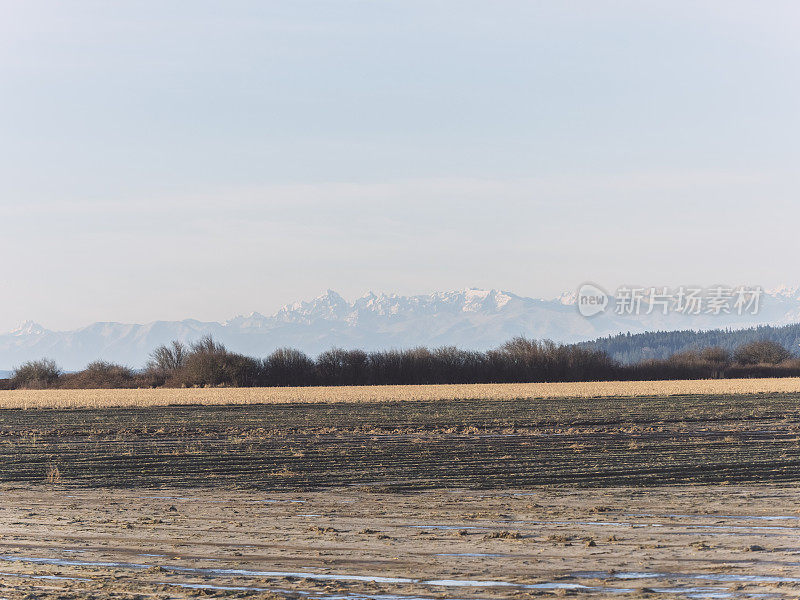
(166, 159)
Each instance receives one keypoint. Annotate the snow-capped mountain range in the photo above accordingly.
(470, 318)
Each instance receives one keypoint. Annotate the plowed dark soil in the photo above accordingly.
(406, 446)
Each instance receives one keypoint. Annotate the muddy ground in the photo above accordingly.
(679, 497)
(342, 544)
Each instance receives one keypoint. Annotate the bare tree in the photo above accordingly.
(168, 359)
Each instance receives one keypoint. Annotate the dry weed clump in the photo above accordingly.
(53, 474)
(98, 398)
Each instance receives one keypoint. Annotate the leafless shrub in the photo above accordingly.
(209, 363)
(100, 375)
(36, 374)
(763, 352)
(288, 367)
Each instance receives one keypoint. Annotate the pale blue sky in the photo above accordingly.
(165, 159)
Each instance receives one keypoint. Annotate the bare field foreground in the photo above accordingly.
(734, 542)
(692, 495)
(383, 393)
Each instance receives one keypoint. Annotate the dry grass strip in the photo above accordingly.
(382, 393)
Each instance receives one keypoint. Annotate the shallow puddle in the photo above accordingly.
(691, 592)
(315, 576)
(470, 554)
(728, 577)
(445, 527)
(709, 516)
(43, 577)
(354, 596)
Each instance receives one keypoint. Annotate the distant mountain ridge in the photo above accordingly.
(470, 318)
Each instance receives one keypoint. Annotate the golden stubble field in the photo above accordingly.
(17, 399)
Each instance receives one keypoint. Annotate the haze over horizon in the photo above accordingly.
(468, 319)
(788, 292)
(166, 160)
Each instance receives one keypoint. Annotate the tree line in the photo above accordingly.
(207, 362)
(630, 348)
